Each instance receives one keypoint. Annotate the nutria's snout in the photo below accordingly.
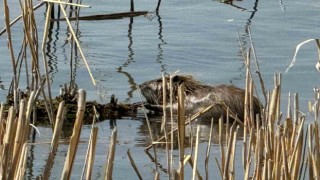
(149, 91)
(199, 96)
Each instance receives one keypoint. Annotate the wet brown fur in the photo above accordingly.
(198, 96)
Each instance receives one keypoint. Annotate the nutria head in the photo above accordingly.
(197, 96)
(153, 90)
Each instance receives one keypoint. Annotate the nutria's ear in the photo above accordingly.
(178, 79)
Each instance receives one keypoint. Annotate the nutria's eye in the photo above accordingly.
(176, 80)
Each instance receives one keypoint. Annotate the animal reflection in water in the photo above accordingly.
(197, 97)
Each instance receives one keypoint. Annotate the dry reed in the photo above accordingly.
(75, 136)
(92, 150)
(181, 130)
(111, 155)
(55, 138)
(133, 164)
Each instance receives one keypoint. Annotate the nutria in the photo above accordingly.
(198, 96)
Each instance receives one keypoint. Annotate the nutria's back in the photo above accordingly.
(198, 96)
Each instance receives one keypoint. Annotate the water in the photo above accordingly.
(195, 37)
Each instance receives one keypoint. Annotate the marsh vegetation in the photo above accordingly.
(276, 144)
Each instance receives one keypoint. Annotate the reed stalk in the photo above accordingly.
(92, 150)
(78, 44)
(150, 131)
(111, 155)
(2, 123)
(247, 122)
(20, 172)
(222, 150)
(30, 33)
(171, 170)
(257, 66)
(13, 61)
(20, 138)
(194, 172)
(273, 148)
(19, 17)
(67, 3)
(8, 144)
(156, 176)
(208, 150)
(55, 139)
(75, 136)
(191, 119)
(181, 130)
(164, 122)
(45, 62)
(133, 164)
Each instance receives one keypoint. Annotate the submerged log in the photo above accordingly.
(111, 110)
(107, 16)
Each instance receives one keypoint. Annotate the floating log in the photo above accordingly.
(107, 16)
(105, 111)
(112, 110)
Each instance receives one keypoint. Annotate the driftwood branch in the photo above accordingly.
(107, 16)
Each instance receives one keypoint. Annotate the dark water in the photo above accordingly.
(196, 37)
